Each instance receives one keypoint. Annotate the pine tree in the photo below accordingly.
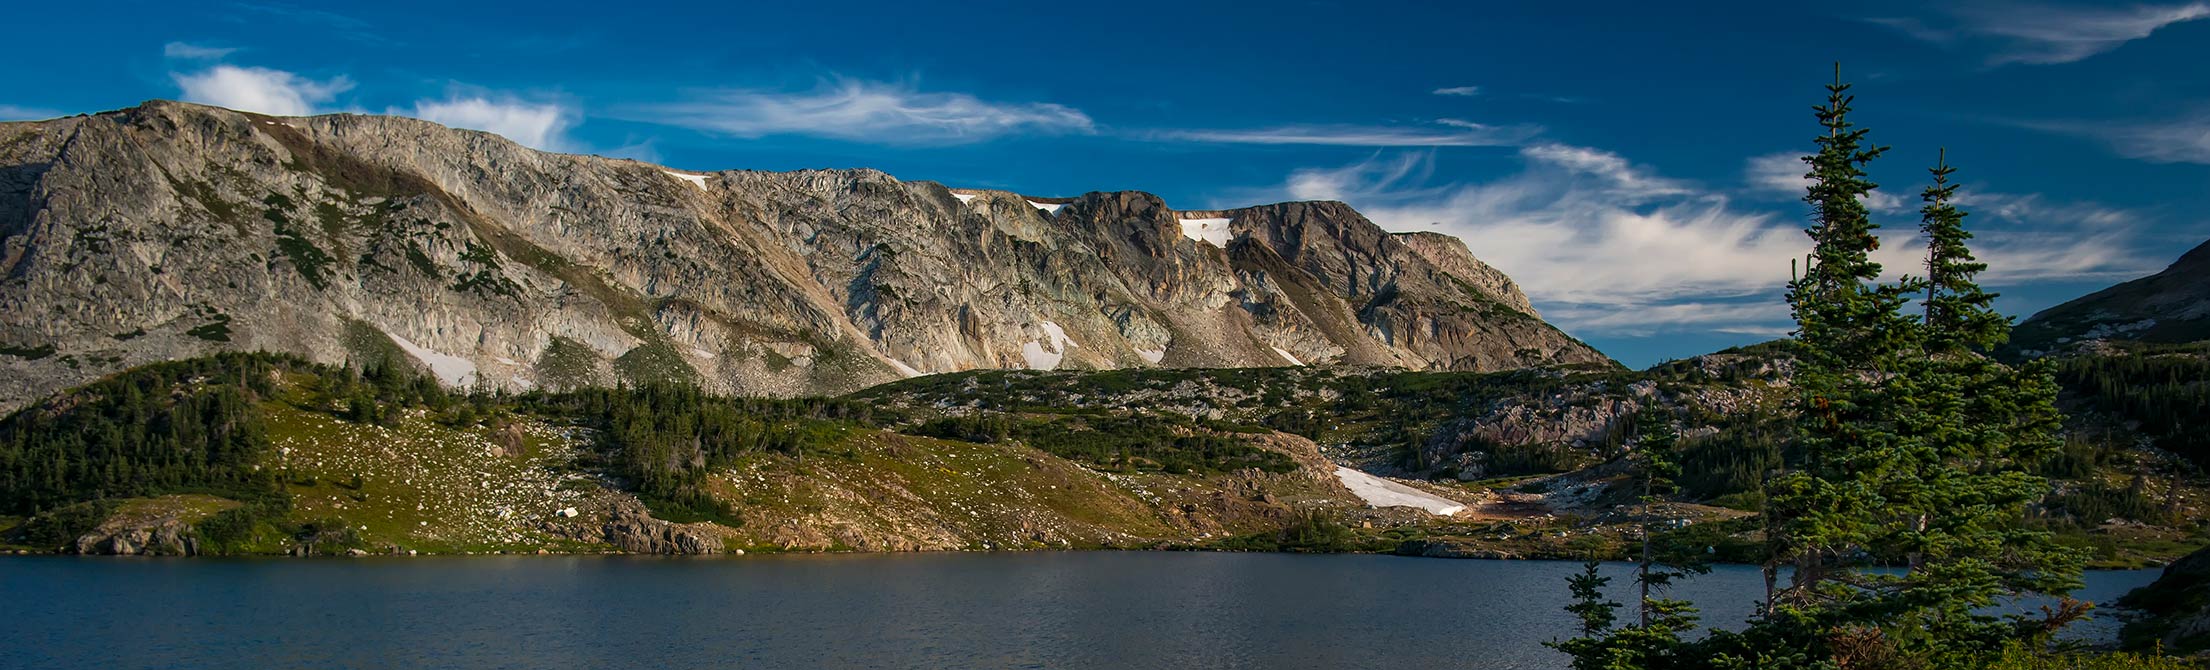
(1959, 314)
(1976, 429)
(1595, 614)
(1853, 340)
(1656, 468)
(1914, 448)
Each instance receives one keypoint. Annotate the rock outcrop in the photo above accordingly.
(1450, 255)
(165, 537)
(2175, 609)
(632, 529)
(172, 230)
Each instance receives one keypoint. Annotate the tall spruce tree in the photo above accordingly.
(1959, 315)
(1975, 428)
(1854, 339)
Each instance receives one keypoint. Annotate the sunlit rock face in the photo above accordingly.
(172, 230)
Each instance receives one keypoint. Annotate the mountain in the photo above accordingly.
(2172, 306)
(173, 230)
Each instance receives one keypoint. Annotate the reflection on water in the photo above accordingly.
(1035, 610)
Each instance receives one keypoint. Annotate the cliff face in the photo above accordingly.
(172, 230)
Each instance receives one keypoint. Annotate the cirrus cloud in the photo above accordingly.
(1459, 133)
(189, 51)
(2044, 34)
(22, 113)
(863, 111)
(1607, 247)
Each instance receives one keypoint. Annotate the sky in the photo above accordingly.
(1632, 165)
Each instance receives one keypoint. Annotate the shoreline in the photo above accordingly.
(18, 553)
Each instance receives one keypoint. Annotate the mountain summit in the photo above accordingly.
(172, 230)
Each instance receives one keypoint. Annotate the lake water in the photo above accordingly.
(1019, 610)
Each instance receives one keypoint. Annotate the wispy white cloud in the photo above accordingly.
(1782, 172)
(22, 113)
(1761, 316)
(189, 51)
(642, 150)
(1459, 133)
(2178, 140)
(1462, 91)
(2040, 34)
(1785, 174)
(864, 111)
(1623, 180)
(262, 90)
(1611, 248)
(538, 125)
(324, 21)
(2034, 209)
(1571, 239)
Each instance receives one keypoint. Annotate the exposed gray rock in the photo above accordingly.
(172, 230)
(631, 528)
(1452, 549)
(164, 537)
(1450, 255)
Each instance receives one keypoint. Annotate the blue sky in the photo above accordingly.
(1628, 163)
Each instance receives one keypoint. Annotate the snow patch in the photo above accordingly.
(1048, 208)
(455, 371)
(1152, 356)
(904, 369)
(696, 179)
(964, 198)
(1212, 231)
(1285, 354)
(702, 353)
(503, 360)
(1042, 358)
(1380, 492)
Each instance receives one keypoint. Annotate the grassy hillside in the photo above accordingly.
(266, 454)
(244, 454)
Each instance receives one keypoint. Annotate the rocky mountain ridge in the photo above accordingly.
(172, 230)
(2172, 306)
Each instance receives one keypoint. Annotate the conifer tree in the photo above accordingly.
(1655, 469)
(1913, 447)
(1974, 429)
(1959, 315)
(1853, 340)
